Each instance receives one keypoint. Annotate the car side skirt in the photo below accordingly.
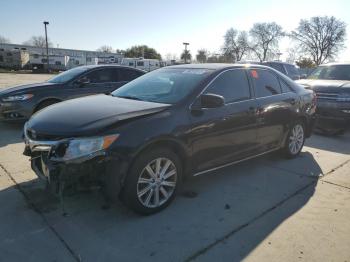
(234, 162)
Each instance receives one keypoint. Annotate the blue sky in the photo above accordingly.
(164, 25)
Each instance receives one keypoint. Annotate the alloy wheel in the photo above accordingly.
(157, 182)
(296, 139)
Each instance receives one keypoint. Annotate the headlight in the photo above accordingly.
(86, 146)
(17, 97)
(343, 97)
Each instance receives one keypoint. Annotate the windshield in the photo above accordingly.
(168, 85)
(67, 75)
(334, 72)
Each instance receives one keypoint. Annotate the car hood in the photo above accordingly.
(334, 86)
(88, 115)
(25, 88)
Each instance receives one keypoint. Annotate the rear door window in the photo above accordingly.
(285, 87)
(104, 75)
(128, 74)
(233, 85)
(291, 70)
(278, 67)
(265, 83)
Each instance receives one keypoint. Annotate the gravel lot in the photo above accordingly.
(267, 209)
(13, 79)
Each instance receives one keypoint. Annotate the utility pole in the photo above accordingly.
(47, 45)
(185, 44)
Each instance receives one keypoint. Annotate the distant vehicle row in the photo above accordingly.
(20, 102)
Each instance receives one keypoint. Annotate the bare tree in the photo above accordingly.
(293, 54)
(265, 38)
(235, 44)
(202, 55)
(4, 40)
(320, 37)
(38, 41)
(105, 49)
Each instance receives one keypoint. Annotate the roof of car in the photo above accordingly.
(214, 66)
(110, 65)
(336, 63)
(276, 62)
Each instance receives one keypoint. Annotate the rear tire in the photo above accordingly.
(152, 181)
(295, 140)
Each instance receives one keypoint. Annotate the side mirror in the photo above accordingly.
(211, 101)
(82, 81)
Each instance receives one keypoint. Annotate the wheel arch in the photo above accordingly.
(45, 100)
(304, 120)
(166, 142)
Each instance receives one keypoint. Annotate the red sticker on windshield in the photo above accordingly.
(254, 73)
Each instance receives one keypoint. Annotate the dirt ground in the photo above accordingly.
(13, 79)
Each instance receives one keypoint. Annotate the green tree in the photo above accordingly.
(142, 51)
(202, 56)
(186, 54)
(305, 63)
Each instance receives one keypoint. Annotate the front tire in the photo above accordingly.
(152, 181)
(295, 140)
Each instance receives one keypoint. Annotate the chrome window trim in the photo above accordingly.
(226, 70)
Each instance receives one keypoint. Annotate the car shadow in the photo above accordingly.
(10, 133)
(338, 144)
(208, 210)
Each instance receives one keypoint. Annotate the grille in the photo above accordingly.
(327, 96)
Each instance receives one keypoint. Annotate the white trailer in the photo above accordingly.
(75, 61)
(56, 62)
(91, 60)
(141, 63)
(14, 59)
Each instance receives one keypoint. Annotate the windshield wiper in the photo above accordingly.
(131, 97)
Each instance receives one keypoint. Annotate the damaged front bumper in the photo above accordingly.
(92, 170)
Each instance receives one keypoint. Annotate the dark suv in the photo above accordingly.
(20, 102)
(331, 82)
(288, 69)
(171, 123)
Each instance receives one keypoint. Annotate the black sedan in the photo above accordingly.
(20, 102)
(331, 82)
(175, 122)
